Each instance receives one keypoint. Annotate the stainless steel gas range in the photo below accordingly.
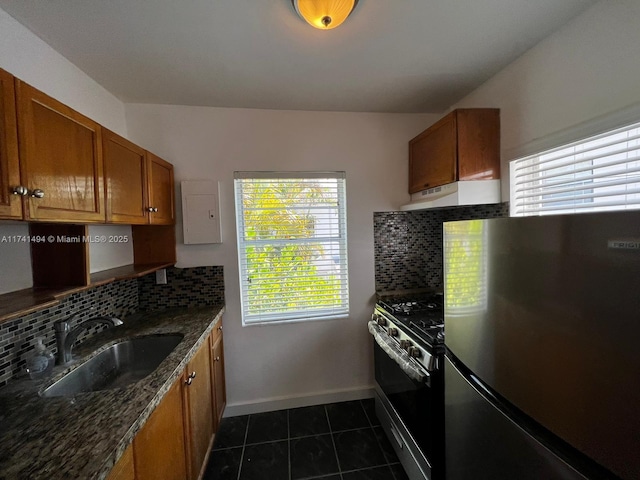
(408, 356)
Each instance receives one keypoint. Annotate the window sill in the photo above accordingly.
(294, 320)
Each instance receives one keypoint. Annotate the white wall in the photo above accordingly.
(279, 365)
(586, 70)
(27, 57)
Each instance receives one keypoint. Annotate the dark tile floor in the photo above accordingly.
(338, 441)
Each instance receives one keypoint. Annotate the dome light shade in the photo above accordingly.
(324, 14)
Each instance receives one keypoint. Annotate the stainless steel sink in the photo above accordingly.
(119, 365)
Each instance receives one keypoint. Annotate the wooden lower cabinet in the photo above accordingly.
(176, 441)
(124, 468)
(219, 399)
(159, 448)
(198, 415)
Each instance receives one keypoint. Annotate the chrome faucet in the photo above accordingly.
(66, 336)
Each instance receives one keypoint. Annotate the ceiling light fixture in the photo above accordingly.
(324, 14)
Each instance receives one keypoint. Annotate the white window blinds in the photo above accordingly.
(292, 245)
(598, 173)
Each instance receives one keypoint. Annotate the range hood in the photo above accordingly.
(471, 192)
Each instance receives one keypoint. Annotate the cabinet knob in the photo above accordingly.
(37, 193)
(190, 378)
(152, 209)
(217, 359)
(220, 328)
(20, 190)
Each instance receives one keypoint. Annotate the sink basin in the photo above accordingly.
(119, 365)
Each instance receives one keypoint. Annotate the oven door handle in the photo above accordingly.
(404, 361)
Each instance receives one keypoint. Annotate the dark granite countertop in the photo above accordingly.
(81, 437)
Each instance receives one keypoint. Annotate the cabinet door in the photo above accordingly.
(432, 156)
(478, 143)
(219, 389)
(158, 448)
(124, 469)
(125, 177)
(198, 413)
(61, 157)
(10, 205)
(161, 194)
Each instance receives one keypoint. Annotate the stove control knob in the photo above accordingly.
(393, 331)
(405, 344)
(413, 352)
(382, 321)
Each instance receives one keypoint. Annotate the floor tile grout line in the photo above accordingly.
(244, 445)
(377, 440)
(330, 432)
(333, 442)
(317, 477)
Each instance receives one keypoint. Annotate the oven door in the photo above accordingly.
(417, 402)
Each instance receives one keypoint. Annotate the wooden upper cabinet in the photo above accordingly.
(464, 145)
(10, 204)
(161, 194)
(432, 156)
(198, 413)
(60, 160)
(125, 180)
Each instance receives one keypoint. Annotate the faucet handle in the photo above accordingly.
(116, 321)
(62, 325)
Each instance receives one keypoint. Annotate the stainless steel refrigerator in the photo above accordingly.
(542, 334)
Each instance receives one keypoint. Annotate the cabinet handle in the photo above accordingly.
(37, 193)
(20, 190)
(152, 209)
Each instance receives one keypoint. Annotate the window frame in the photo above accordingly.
(339, 309)
(578, 176)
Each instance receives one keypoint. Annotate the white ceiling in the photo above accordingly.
(389, 56)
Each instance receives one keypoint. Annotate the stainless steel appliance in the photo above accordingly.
(542, 321)
(408, 355)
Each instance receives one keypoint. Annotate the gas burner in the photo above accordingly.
(410, 308)
(420, 315)
(413, 306)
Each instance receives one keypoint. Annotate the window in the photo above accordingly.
(292, 245)
(598, 173)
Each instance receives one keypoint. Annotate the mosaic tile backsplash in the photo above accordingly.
(188, 287)
(17, 337)
(408, 245)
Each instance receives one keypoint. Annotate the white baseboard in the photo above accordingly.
(285, 402)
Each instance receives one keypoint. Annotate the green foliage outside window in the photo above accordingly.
(282, 251)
